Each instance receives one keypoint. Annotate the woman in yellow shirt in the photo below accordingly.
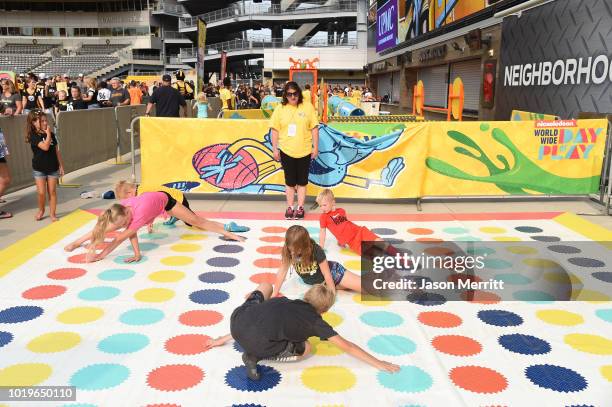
(295, 141)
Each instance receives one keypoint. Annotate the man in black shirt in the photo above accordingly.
(167, 100)
(278, 329)
(119, 95)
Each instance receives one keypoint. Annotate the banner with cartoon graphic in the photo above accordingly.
(381, 160)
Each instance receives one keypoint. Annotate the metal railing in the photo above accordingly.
(169, 8)
(174, 35)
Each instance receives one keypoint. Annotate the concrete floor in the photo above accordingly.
(102, 177)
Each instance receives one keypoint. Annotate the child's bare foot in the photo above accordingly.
(54, 218)
(71, 247)
(39, 215)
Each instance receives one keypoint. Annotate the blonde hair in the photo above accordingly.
(202, 97)
(298, 242)
(320, 297)
(122, 188)
(111, 215)
(325, 195)
(62, 92)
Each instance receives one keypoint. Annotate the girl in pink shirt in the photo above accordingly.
(136, 212)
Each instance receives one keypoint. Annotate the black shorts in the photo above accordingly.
(2, 160)
(296, 169)
(171, 202)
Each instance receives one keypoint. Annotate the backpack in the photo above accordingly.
(184, 89)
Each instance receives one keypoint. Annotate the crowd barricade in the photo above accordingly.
(124, 116)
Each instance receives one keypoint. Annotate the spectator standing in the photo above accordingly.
(135, 93)
(104, 95)
(32, 98)
(119, 96)
(61, 104)
(7, 110)
(76, 102)
(49, 94)
(91, 94)
(184, 88)
(306, 94)
(80, 82)
(167, 100)
(227, 99)
(10, 99)
(20, 84)
(202, 106)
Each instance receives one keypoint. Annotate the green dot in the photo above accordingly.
(484, 126)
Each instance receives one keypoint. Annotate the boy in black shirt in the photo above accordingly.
(278, 329)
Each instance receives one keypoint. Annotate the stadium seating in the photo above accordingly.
(99, 49)
(21, 63)
(26, 49)
(75, 65)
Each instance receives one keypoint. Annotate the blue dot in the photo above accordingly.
(17, 314)
(410, 379)
(381, 319)
(384, 231)
(468, 238)
(455, 231)
(497, 264)
(605, 276)
(604, 314)
(391, 345)
(524, 344)
(532, 296)
(142, 316)
(154, 236)
(222, 262)
(426, 299)
(238, 348)
(99, 376)
(99, 293)
(5, 338)
(391, 240)
(498, 317)
(145, 246)
(480, 251)
(556, 378)
(513, 279)
(528, 229)
(116, 274)
(121, 260)
(228, 248)
(247, 405)
(209, 296)
(216, 277)
(236, 378)
(123, 343)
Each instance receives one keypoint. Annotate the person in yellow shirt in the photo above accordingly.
(295, 141)
(306, 94)
(356, 96)
(227, 98)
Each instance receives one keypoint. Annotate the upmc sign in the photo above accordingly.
(386, 26)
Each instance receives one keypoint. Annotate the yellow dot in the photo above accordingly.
(507, 239)
(348, 252)
(328, 379)
(80, 315)
(492, 230)
(177, 260)
(590, 296)
(324, 348)
(193, 236)
(541, 263)
(606, 372)
(561, 278)
(185, 247)
(560, 317)
(25, 374)
(521, 250)
(332, 318)
(54, 342)
(353, 265)
(595, 344)
(370, 300)
(154, 295)
(167, 276)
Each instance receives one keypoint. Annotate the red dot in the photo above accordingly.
(272, 239)
(263, 278)
(456, 345)
(66, 273)
(439, 319)
(77, 258)
(267, 263)
(200, 318)
(439, 251)
(480, 297)
(455, 278)
(274, 229)
(190, 344)
(163, 405)
(429, 239)
(44, 292)
(175, 377)
(270, 249)
(420, 231)
(478, 379)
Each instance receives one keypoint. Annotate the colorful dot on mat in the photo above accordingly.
(439, 251)
(121, 260)
(561, 277)
(478, 379)
(116, 274)
(267, 263)
(190, 344)
(604, 314)
(391, 240)
(590, 295)
(216, 277)
(384, 231)
(313, 229)
(528, 229)
(498, 317)
(419, 231)
(163, 405)
(439, 319)
(193, 236)
(391, 345)
(513, 278)
(79, 405)
(222, 262)
(409, 379)
(154, 236)
(586, 262)
(455, 230)
(263, 278)
(238, 348)
(270, 249)
(521, 250)
(44, 292)
(559, 317)
(370, 300)
(556, 378)
(176, 260)
(141, 316)
(348, 252)
(274, 229)
(272, 239)
(99, 376)
(429, 239)
(548, 239)
(209, 296)
(467, 238)
(507, 239)
(78, 258)
(493, 230)
(68, 273)
(456, 345)
(541, 263)
(80, 315)
(594, 344)
(565, 249)
(426, 299)
(200, 318)
(328, 379)
(381, 319)
(166, 276)
(154, 295)
(480, 297)
(524, 344)
(5, 338)
(324, 348)
(236, 378)
(353, 265)
(606, 372)
(18, 314)
(480, 250)
(532, 296)
(123, 343)
(25, 374)
(185, 247)
(145, 247)
(101, 293)
(228, 248)
(54, 342)
(497, 264)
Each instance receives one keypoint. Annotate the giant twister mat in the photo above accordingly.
(133, 334)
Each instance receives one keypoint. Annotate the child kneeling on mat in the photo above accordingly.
(136, 212)
(277, 329)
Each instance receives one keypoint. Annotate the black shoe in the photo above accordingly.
(289, 213)
(299, 213)
(250, 363)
